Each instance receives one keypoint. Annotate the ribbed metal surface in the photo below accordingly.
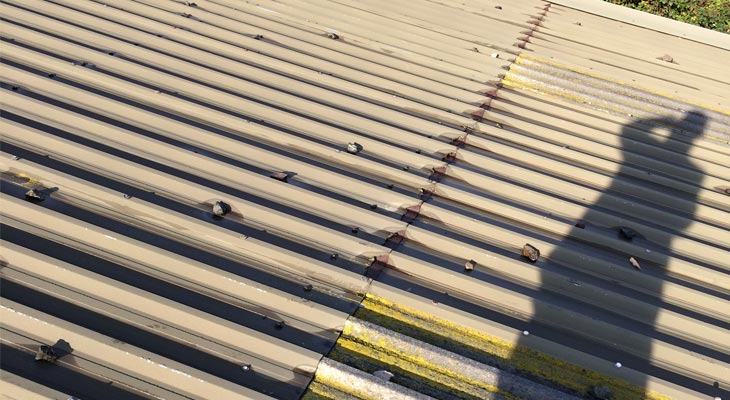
(377, 170)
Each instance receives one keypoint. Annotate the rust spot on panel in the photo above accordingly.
(395, 238)
(459, 141)
(376, 267)
(412, 212)
(450, 158)
(478, 114)
(438, 173)
(426, 193)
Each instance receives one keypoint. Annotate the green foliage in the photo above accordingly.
(711, 14)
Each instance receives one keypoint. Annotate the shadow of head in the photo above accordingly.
(692, 125)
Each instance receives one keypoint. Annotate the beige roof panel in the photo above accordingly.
(339, 199)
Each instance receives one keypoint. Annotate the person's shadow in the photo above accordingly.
(684, 131)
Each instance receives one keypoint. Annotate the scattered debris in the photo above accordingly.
(470, 265)
(666, 58)
(627, 233)
(354, 147)
(498, 7)
(618, 365)
(600, 392)
(34, 195)
(52, 353)
(333, 36)
(635, 263)
(580, 224)
(530, 252)
(495, 55)
(220, 208)
(384, 375)
(578, 23)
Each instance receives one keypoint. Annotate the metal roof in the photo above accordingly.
(362, 200)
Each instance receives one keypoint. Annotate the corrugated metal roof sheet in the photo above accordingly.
(361, 200)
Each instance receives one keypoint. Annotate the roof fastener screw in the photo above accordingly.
(618, 365)
(52, 353)
(334, 256)
(373, 206)
(391, 186)
(495, 55)
(470, 265)
(246, 367)
(308, 288)
(498, 7)
(126, 196)
(258, 37)
(531, 252)
(627, 233)
(355, 230)
(354, 147)
(220, 208)
(406, 168)
(279, 326)
(383, 374)
(34, 195)
(526, 333)
(46, 353)
(333, 35)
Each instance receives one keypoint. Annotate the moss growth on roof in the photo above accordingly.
(488, 349)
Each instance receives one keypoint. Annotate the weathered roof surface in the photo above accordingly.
(224, 199)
